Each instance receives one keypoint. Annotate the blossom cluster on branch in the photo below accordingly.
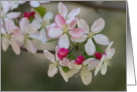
(77, 51)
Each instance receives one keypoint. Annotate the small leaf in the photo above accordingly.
(41, 10)
(52, 40)
(86, 56)
(65, 69)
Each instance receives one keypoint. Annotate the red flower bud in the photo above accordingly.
(79, 60)
(28, 15)
(62, 53)
(98, 55)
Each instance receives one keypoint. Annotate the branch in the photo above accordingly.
(106, 6)
(38, 51)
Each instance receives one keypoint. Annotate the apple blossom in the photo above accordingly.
(105, 60)
(97, 27)
(11, 35)
(62, 29)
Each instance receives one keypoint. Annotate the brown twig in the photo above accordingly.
(105, 6)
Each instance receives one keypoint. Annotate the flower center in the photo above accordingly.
(91, 34)
(65, 28)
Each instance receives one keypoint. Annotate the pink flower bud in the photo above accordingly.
(62, 53)
(98, 55)
(79, 60)
(28, 15)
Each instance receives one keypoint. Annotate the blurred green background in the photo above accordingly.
(28, 72)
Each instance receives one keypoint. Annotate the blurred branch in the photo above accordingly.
(38, 51)
(105, 6)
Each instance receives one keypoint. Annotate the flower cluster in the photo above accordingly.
(77, 52)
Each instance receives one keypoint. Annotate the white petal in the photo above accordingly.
(3, 31)
(101, 39)
(49, 56)
(80, 39)
(73, 65)
(30, 29)
(63, 41)
(64, 75)
(98, 25)
(37, 24)
(5, 43)
(34, 4)
(64, 62)
(111, 53)
(15, 47)
(92, 65)
(57, 50)
(44, 1)
(83, 24)
(48, 16)
(63, 10)
(31, 47)
(23, 23)
(109, 47)
(104, 69)
(87, 61)
(99, 66)
(52, 70)
(43, 36)
(21, 2)
(54, 32)
(6, 6)
(72, 72)
(86, 76)
(90, 47)
(73, 13)
(13, 15)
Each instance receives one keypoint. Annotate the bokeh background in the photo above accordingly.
(28, 72)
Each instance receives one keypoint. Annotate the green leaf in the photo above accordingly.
(31, 19)
(52, 40)
(41, 10)
(98, 49)
(65, 69)
(86, 56)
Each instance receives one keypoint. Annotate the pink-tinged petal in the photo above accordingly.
(98, 25)
(101, 39)
(64, 62)
(30, 29)
(73, 24)
(87, 61)
(93, 64)
(5, 43)
(75, 33)
(54, 32)
(79, 39)
(19, 37)
(23, 23)
(73, 13)
(34, 3)
(69, 20)
(63, 10)
(15, 47)
(64, 75)
(90, 47)
(86, 76)
(49, 56)
(52, 70)
(59, 21)
(64, 41)
(31, 47)
(83, 24)
(57, 50)
(13, 15)
(104, 69)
